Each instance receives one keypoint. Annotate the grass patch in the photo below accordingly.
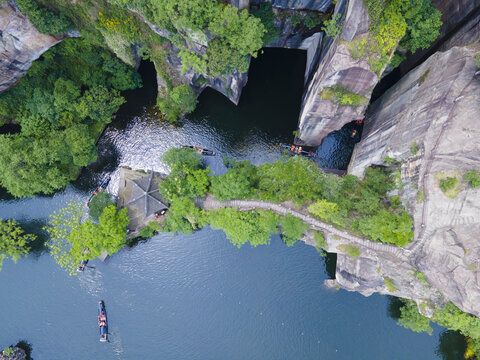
(420, 196)
(421, 277)
(342, 95)
(357, 47)
(390, 284)
(424, 76)
(414, 148)
(350, 250)
(319, 240)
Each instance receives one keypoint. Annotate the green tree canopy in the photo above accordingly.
(292, 229)
(73, 240)
(242, 226)
(184, 217)
(186, 178)
(13, 241)
(100, 201)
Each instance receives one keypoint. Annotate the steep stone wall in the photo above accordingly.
(20, 44)
(435, 108)
(319, 116)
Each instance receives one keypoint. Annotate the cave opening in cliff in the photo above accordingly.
(270, 102)
(137, 100)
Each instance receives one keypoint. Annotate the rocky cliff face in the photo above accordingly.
(430, 122)
(321, 115)
(20, 44)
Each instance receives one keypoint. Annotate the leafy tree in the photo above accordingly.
(44, 20)
(113, 226)
(422, 26)
(223, 60)
(265, 13)
(292, 229)
(333, 27)
(100, 201)
(99, 104)
(242, 226)
(411, 319)
(180, 100)
(233, 185)
(184, 217)
(13, 241)
(72, 240)
(29, 167)
(62, 104)
(325, 210)
(387, 227)
(61, 223)
(243, 32)
(294, 180)
(186, 179)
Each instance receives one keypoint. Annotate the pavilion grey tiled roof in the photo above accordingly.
(145, 195)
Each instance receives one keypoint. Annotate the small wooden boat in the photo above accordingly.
(102, 321)
(200, 150)
(82, 265)
(103, 185)
(297, 150)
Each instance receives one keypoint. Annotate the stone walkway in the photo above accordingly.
(209, 203)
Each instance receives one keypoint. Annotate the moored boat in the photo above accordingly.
(200, 150)
(102, 321)
(82, 265)
(103, 185)
(297, 150)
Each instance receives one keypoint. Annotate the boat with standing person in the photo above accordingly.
(297, 150)
(200, 150)
(102, 321)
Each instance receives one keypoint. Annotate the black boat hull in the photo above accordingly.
(103, 329)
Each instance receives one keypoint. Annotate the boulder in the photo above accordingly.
(321, 115)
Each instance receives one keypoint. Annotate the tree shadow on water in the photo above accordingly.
(23, 344)
(38, 246)
(451, 345)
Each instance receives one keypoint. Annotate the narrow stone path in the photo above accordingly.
(210, 203)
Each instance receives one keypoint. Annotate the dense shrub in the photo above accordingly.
(473, 178)
(447, 183)
(44, 20)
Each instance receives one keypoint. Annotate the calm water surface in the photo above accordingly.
(198, 296)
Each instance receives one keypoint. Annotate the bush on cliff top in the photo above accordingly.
(44, 20)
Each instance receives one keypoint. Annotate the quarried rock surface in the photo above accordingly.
(321, 115)
(430, 123)
(20, 44)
